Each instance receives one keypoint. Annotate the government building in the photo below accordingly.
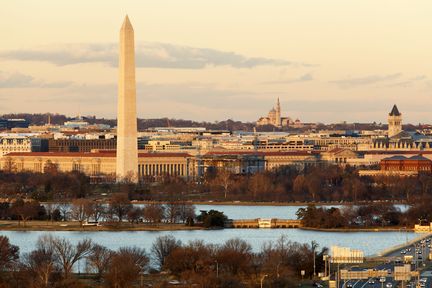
(275, 118)
(99, 165)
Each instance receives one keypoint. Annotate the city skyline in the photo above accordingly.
(327, 62)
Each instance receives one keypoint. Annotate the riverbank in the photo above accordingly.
(250, 203)
(372, 229)
(75, 226)
(13, 225)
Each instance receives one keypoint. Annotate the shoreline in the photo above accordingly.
(374, 229)
(12, 225)
(249, 203)
(75, 226)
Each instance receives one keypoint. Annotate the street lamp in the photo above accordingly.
(277, 269)
(314, 245)
(262, 279)
(314, 264)
(217, 269)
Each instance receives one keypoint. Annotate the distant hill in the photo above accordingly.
(59, 119)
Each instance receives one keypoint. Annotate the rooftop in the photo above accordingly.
(395, 111)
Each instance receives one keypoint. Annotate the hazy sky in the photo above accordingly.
(327, 60)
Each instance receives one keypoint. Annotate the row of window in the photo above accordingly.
(407, 168)
(13, 141)
(161, 169)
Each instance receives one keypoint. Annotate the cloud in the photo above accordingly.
(150, 55)
(364, 81)
(303, 78)
(186, 100)
(408, 82)
(15, 80)
(19, 80)
(418, 78)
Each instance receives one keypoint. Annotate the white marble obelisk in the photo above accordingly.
(127, 146)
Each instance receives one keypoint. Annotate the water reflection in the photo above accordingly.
(370, 242)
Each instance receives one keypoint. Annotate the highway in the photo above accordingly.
(419, 251)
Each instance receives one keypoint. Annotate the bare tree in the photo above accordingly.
(260, 183)
(235, 256)
(9, 253)
(25, 210)
(64, 209)
(99, 259)
(196, 257)
(50, 208)
(9, 165)
(78, 210)
(41, 263)
(126, 266)
(120, 205)
(94, 210)
(135, 214)
(299, 186)
(68, 254)
(154, 213)
(314, 186)
(162, 248)
(172, 210)
(223, 178)
(187, 213)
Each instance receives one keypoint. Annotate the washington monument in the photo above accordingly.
(127, 147)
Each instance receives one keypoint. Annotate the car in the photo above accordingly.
(403, 252)
(371, 281)
(423, 280)
(382, 279)
(349, 285)
(389, 285)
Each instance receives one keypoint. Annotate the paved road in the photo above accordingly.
(420, 252)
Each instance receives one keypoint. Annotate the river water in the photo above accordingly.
(370, 242)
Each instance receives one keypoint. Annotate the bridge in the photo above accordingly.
(263, 223)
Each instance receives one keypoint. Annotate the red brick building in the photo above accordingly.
(416, 163)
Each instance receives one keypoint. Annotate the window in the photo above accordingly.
(76, 166)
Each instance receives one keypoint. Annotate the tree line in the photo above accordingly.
(366, 216)
(117, 210)
(59, 119)
(327, 183)
(54, 261)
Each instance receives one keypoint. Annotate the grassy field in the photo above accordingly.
(13, 225)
